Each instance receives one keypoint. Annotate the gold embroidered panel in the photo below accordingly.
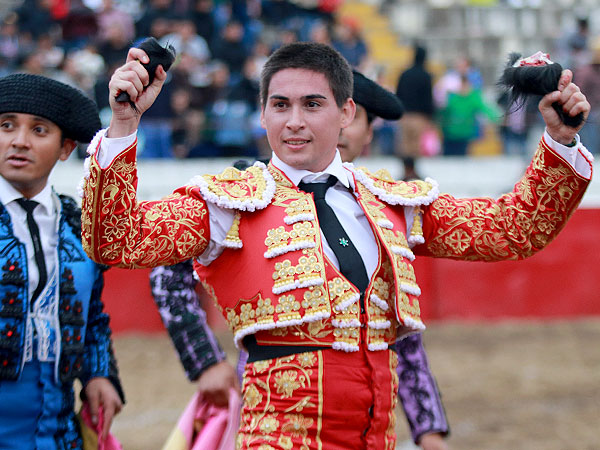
(514, 226)
(117, 230)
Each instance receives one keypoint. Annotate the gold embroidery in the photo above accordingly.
(233, 235)
(233, 184)
(406, 189)
(287, 309)
(287, 382)
(273, 382)
(118, 230)
(517, 224)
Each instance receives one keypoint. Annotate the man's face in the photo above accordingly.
(302, 120)
(30, 146)
(355, 136)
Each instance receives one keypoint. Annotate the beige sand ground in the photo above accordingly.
(509, 386)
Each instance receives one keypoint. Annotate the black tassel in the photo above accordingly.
(523, 81)
(158, 55)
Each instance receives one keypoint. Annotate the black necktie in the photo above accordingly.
(29, 206)
(351, 263)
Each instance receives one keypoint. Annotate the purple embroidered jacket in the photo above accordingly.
(173, 288)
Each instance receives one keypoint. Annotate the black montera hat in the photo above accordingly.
(375, 99)
(69, 108)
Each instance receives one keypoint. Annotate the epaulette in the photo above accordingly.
(245, 190)
(394, 192)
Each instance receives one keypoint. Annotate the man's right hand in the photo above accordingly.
(132, 77)
(216, 381)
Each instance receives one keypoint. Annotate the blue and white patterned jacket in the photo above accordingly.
(86, 347)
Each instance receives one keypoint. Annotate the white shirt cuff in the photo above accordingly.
(577, 156)
(110, 148)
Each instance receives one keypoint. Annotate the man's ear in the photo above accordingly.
(348, 111)
(67, 148)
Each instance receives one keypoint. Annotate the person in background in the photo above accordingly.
(52, 326)
(415, 91)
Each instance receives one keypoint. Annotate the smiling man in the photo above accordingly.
(308, 258)
(52, 327)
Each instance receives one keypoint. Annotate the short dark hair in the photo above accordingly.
(312, 56)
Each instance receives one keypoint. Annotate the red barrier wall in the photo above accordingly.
(561, 281)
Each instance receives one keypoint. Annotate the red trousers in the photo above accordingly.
(329, 400)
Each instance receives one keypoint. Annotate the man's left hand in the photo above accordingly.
(572, 101)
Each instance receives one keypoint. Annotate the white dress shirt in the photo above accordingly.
(46, 217)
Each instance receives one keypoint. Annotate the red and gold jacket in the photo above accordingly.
(273, 278)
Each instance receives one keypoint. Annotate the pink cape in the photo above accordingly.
(90, 433)
(203, 426)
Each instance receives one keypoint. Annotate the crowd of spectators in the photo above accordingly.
(208, 106)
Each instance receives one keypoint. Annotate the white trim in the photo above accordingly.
(410, 289)
(379, 325)
(297, 245)
(377, 347)
(346, 303)
(415, 240)
(379, 302)
(412, 323)
(87, 162)
(403, 251)
(297, 284)
(385, 223)
(344, 346)
(303, 217)
(232, 244)
(251, 204)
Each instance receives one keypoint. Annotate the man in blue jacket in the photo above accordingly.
(52, 325)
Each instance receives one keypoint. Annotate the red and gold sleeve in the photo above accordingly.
(118, 230)
(514, 226)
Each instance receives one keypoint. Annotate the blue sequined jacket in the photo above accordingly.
(86, 347)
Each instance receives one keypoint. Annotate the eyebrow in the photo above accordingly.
(305, 97)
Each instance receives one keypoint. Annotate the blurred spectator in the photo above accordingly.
(348, 41)
(458, 119)
(320, 32)
(451, 81)
(230, 48)
(156, 9)
(415, 90)
(187, 42)
(52, 54)
(229, 127)
(79, 26)
(110, 16)
(575, 45)
(188, 124)
(10, 41)
(587, 78)
(516, 125)
(116, 45)
(154, 132)
(202, 15)
(35, 18)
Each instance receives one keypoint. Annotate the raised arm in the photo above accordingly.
(116, 229)
(520, 223)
